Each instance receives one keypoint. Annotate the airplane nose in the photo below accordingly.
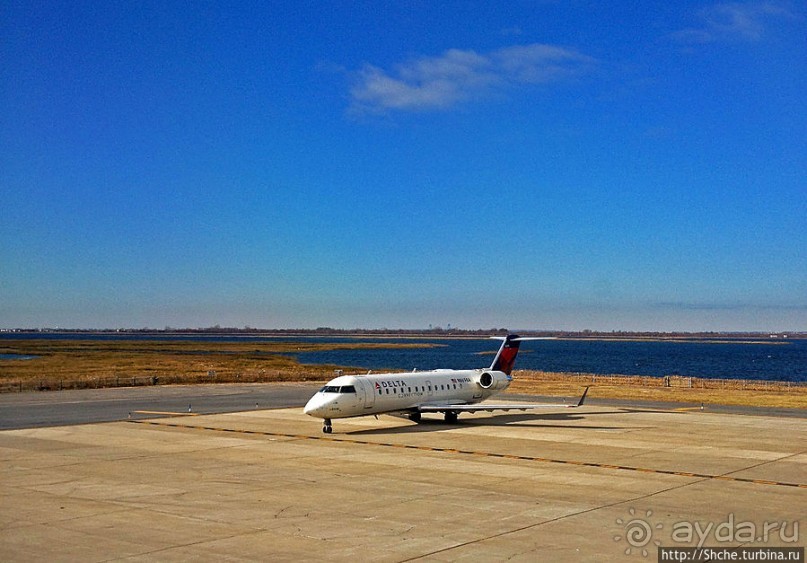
(315, 405)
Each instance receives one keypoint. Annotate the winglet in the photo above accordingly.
(583, 397)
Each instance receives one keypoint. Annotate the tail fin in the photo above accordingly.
(506, 356)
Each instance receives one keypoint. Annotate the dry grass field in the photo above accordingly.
(671, 389)
(64, 364)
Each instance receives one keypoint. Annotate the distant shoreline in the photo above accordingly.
(614, 336)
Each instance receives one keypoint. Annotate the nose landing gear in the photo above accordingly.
(327, 428)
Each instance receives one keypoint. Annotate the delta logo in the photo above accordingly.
(391, 384)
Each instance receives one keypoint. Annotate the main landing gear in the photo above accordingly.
(327, 428)
(451, 417)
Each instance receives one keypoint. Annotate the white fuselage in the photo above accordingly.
(359, 395)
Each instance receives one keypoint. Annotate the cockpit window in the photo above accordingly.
(338, 389)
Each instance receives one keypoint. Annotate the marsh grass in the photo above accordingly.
(93, 363)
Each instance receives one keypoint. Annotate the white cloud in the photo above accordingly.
(733, 22)
(441, 82)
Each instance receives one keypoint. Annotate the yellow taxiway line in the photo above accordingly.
(166, 413)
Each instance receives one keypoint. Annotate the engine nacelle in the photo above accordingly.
(493, 380)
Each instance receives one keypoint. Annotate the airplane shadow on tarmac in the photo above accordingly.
(429, 424)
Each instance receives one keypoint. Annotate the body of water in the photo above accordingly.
(782, 361)
(16, 357)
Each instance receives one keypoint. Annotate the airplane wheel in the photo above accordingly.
(451, 417)
(414, 417)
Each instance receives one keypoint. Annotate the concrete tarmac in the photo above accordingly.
(83, 406)
(598, 483)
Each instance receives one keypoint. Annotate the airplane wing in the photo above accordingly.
(498, 407)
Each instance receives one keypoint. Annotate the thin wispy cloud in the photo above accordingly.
(727, 306)
(442, 82)
(733, 22)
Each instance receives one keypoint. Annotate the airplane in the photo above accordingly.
(414, 393)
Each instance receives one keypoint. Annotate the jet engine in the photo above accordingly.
(493, 380)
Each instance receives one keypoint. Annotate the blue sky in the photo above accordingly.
(548, 165)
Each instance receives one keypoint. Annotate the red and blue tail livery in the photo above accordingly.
(506, 356)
